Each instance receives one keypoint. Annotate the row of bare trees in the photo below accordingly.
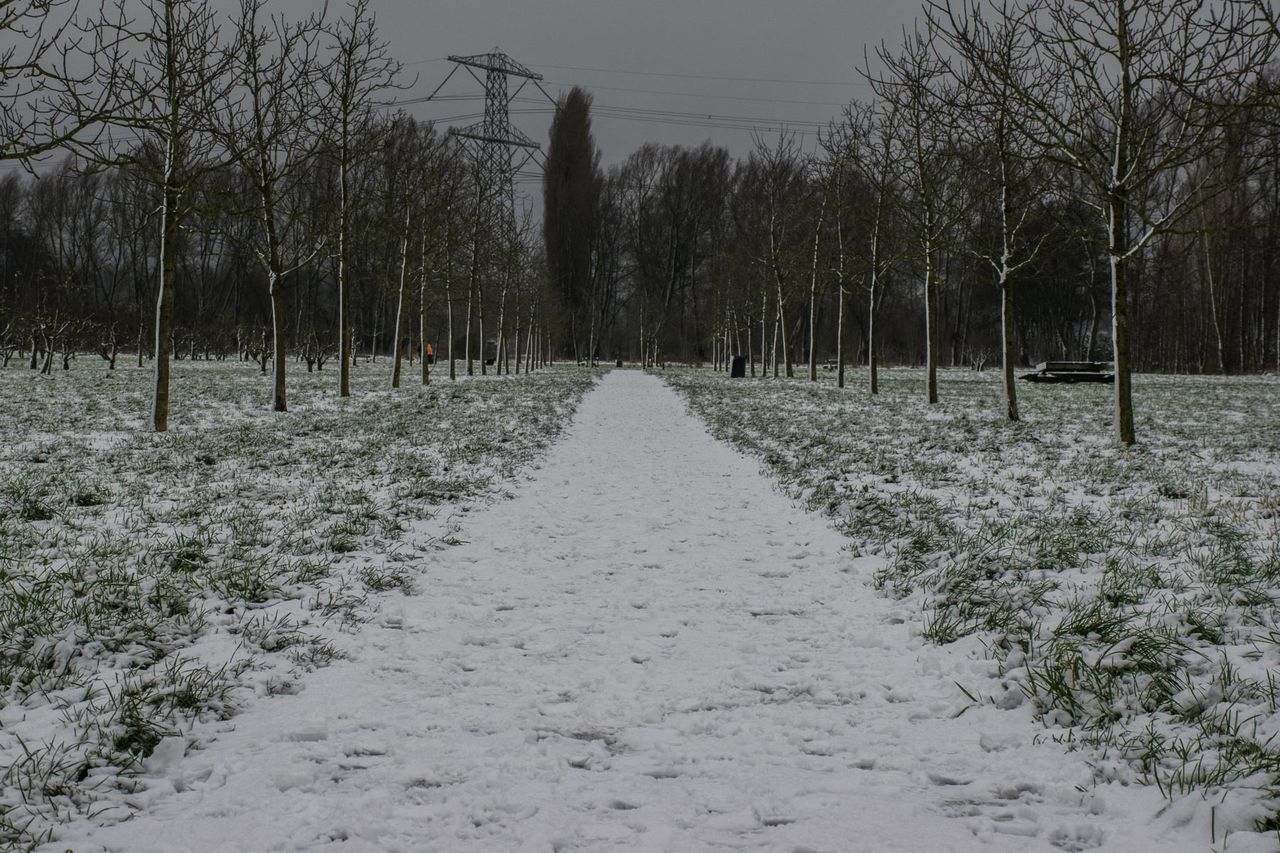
(1044, 179)
(1033, 179)
(239, 184)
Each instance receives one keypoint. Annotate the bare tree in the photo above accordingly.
(839, 149)
(875, 128)
(360, 69)
(177, 84)
(865, 166)
(415, 151)
(916, 83)
(1002, 146)
(782, 171)
(270, 129)
(62, 74)
(453, 196)
(822, 185)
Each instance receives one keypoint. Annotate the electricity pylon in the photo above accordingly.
(495, 144)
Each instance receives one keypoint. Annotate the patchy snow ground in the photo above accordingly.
(649, 648)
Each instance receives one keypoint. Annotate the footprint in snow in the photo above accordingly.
(947, 780)
(663, 773)
(772, 815)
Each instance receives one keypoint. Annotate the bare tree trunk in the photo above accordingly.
(873, 358)
(422, 311)
(1119, 240)
(1007, 348)
(777, 321)
(591, 333)
(1214, 313)
(453, 370)
(782, 336)
(482, 345)
(930, 319)
(873, 307)
(344, 216)
(500, 356)
(466, 340)
(840, 339)
(813, 294)
(404, 273)
(517, 332)
(164, 300)
(472, 276)
(529, 339)
(764, 324)
(1095, 317)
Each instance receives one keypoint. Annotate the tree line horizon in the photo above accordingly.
(1030, 181)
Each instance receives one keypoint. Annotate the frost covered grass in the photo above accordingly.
(150, 582)
(1132, 596)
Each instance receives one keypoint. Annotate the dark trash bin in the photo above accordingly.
(619, 362)
(738, 369)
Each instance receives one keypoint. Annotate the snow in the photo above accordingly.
(648, 648)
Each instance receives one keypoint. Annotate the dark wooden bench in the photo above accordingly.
(1072, 371)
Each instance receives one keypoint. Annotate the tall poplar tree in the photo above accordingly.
(571, 194)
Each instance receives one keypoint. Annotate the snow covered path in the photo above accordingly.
(647, 649)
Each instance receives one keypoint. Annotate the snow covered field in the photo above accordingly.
(1130, 596)
(648, 647)
(149, 584)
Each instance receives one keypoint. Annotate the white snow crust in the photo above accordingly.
(647, 649)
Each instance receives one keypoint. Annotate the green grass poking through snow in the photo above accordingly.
(1132, 596)
(147, 581)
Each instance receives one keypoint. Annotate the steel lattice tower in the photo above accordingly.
(494, 143)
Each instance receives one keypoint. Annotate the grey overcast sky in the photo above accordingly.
(819, 41)
(668, 71)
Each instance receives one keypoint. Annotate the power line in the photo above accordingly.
(647, 113)
(681, 76)
(594, 87)
(703, 116)
(703, 76)
(425, 61)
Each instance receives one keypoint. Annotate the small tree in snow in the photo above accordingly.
(359, 70)
(1001, 147)
(271, 131)
(917, 85)
(177, 83)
